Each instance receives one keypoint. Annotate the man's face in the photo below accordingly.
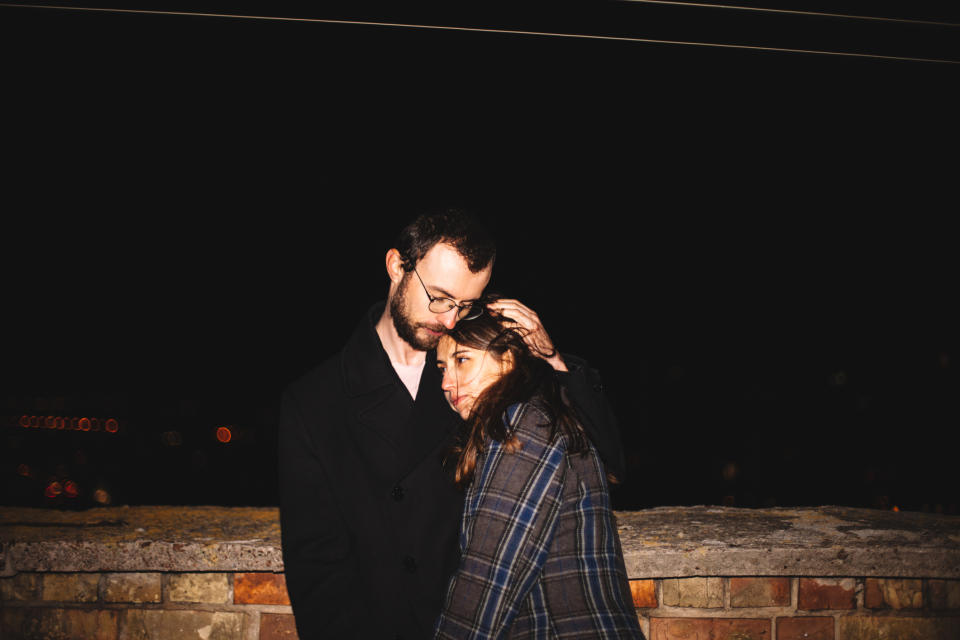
(445, 274)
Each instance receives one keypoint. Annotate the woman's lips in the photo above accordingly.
(456, 401)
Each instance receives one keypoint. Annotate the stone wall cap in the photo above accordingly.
(813, 541)
(657, 543)
(153, 538)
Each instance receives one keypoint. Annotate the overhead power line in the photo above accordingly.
(797, 12)
(519, 32)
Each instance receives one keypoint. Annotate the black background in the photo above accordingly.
(753, 247)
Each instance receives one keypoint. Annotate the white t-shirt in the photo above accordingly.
(410, 376)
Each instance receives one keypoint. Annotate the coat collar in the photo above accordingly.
(382, 402)
(365, 365)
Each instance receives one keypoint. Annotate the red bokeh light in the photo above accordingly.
(224, 435)
(53, 489)
(110, 425)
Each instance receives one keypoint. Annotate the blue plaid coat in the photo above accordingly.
(540, 554)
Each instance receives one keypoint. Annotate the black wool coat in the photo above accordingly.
(369, 515)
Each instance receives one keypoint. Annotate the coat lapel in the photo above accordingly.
(370, 381)
(432, 422)
(391, 431)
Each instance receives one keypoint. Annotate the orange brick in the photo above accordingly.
(944, 594)
(884, 593)
(703, 593)
(213, 588)
(805, 629)
(62, 624)
(277, 626)
(826, 593)
(872, 596)
(709, 628)
(132, 587)
(23, 586)
(901, 628)
(260, 588)
(742, 629)
(174, 624)
(644, 593)
(70, 587)
(680, 628)
(759, 592)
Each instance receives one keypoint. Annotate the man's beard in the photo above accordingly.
(406, 328)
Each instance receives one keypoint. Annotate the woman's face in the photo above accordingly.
(467, 372)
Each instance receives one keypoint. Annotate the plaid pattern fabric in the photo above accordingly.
(540, 555)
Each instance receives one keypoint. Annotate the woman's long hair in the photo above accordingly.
(529, 376)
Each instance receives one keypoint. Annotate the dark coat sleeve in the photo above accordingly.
(585, 390)
(323, 580)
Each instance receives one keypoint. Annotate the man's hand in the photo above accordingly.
(533, 332)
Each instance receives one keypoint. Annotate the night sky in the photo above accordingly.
(752, 248)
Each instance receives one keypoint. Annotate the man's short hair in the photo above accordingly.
(455, 227)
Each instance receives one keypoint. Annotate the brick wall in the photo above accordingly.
(698, 573)
(797, 608)
(146, 606)
(254, 606)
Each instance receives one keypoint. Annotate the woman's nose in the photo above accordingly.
(448, 383)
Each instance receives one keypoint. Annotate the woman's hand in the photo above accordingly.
(533, 332)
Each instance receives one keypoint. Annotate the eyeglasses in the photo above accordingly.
(467, 311)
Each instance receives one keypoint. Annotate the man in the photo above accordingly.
(369, 513)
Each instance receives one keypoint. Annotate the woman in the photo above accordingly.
(540, 555)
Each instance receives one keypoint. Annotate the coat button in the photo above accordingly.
(397, 493)
(409, 564)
